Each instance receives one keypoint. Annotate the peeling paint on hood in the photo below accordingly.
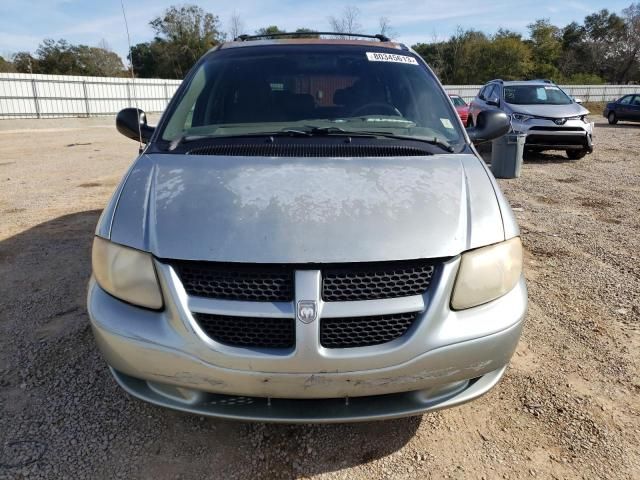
(306, 210)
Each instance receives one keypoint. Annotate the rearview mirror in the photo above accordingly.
(494, 101)
(132, 123)
(490, 125)
(577, 100)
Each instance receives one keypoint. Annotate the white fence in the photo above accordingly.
(47, 96)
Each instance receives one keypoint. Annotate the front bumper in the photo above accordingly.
(331, 410)
(450, 358)
(545, 134)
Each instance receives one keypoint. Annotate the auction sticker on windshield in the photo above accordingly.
(390, 57)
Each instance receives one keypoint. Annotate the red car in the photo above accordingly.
(461, 107)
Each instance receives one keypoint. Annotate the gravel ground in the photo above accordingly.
(568, 407)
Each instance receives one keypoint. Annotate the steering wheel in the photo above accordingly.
(376, 105)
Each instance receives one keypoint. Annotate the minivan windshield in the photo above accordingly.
(312, 88)
(535, 95)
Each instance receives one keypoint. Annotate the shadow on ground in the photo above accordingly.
(63, 415)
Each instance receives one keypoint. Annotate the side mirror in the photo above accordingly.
(577, 100)
(490, 125)
(132, 123)
(494, 101)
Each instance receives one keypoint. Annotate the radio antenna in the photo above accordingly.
(133, 77)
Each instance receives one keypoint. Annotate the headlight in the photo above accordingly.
(487, 273)
(521, 117)
(126, 273)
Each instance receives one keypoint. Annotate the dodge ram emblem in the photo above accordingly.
(307, 311)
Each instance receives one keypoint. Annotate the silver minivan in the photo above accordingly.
(308, 235)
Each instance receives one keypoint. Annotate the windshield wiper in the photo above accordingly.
(431, 141)
(285, 132)
(312, 130)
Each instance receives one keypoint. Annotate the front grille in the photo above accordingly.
(257, 283)
(308, 150)
(352, 332)
(376, 281)
(248, 331)
(559, 140)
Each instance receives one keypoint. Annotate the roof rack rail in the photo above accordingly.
(244, 38)
(499, 80)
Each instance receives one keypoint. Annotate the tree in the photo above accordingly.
(62, 58)
(56, 58)
(603, 30)
(628, 50)
(546, 48)
(270, 30)
(143, 61)
(183, 35)
(385, 28)
(305, 33)
(348, 22)
(508, 57)
(23, 62)
(471, 57)
(98, 61)
(6, 66)
(236, 26)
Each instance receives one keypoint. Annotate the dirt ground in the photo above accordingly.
(568, 407)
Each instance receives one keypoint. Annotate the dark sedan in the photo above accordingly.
(625, 108)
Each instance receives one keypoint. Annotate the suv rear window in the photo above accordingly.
(269, 88)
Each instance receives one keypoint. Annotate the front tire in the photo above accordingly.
(612, 118)
(576, 154)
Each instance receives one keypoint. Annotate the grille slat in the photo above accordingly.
(271, 283)
(376, 282)
(352, 332)
(248, 331)
(307, 150)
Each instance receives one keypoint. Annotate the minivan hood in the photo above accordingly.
(306, 210)
(550, 111)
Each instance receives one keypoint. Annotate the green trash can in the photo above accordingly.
(506, 155)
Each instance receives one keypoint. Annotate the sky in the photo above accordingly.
(25, 23)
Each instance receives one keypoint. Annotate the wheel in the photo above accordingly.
(612, 119)
(576, 154)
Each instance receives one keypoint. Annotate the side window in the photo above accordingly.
(626, 100)
(482, 92)
(490, 92)
(636, 101)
